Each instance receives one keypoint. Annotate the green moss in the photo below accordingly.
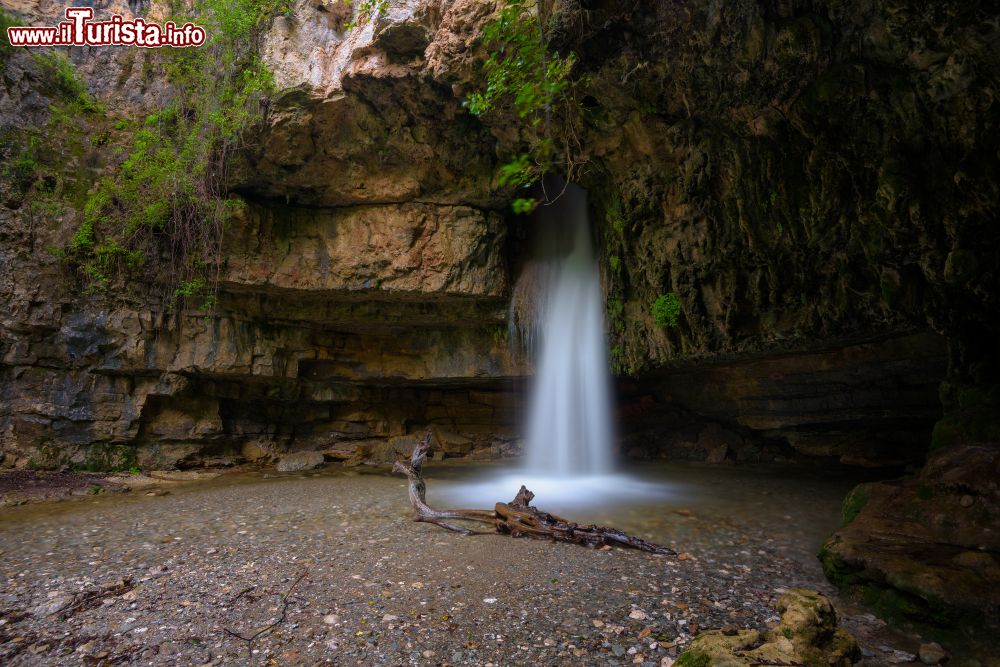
(102, 457)
(666, 310)
(977, 424)
(836, 570)
(925, 492)
(616, 313)
(944, 434)
(6, 20)
(49, 456)
(693, 658)
(854, 503)
(83, 239)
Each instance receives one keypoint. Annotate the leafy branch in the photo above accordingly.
(524, 74)
(367, 10)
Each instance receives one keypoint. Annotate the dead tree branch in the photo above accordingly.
(284, 614)
(516, 518)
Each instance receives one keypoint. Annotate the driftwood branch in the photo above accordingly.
(281, 619)
(516, 518)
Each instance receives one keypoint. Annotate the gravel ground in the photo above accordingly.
(327, 568)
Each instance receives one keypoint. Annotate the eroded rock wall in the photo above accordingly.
(364, 292)
(808, 178)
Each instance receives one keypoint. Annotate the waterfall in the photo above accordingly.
(557, 317)
(569, 416)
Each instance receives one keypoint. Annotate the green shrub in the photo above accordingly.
(6, 21)
(666, 310)
(162, 206)
(60, 72)
(83, 239)
(530, 82)
(368, 10)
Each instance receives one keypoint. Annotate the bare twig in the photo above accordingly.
(88, 599)
(284, 614)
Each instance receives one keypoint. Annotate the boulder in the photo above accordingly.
(918, 549)
(298, 461)
(808, 634)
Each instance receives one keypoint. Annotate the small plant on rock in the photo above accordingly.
(666, 310)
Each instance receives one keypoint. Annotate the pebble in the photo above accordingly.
(931, 653)
(896, 656)
(380, 587)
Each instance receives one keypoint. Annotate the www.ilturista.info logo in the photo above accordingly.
(79, 30)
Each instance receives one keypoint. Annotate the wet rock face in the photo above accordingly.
(869, 404)
(789, 170)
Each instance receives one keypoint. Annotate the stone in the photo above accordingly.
(808, 633)
(298, 461)
(877, 553)
(452, 443)
(931, 653)
(255, 451)
(57, 601)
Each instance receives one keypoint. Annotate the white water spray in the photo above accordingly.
(557, 313)
(569, 420)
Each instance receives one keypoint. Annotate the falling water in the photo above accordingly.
(569, 419)
(557, 315)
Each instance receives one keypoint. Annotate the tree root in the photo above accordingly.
(516, 518)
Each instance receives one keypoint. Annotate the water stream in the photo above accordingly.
(569, 429)
(557, 313)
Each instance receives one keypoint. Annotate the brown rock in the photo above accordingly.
(932, 653)
(452, 443)
(299, 461)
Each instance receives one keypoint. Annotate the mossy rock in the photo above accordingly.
(103, 457)
(854, 503)
(808, 634)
